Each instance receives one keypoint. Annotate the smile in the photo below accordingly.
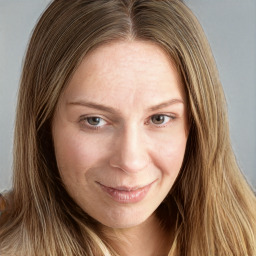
(127, 194)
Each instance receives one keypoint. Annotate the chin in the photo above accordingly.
(123, 219)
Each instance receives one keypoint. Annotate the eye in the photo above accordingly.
(94, 121)
(160, 119)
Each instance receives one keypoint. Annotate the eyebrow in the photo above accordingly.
(94, 105)
(166, 104)
(111, 110)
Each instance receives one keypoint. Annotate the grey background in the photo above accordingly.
(230, 26)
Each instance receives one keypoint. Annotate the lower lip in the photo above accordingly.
(123, 196)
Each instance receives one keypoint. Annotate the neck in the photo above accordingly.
(147, 239)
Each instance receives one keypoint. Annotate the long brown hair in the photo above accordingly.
(215, 207)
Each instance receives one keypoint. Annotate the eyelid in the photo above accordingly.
(148, 121)
(171, 116)
(83, 118)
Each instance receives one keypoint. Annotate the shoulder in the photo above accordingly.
(2, 204)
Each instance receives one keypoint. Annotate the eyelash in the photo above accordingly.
(84, 121)
(171, 118)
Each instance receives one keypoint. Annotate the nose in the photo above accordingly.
(130, 154)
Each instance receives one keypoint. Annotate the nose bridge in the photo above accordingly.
(131, 152)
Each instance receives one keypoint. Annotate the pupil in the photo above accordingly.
(94, 120)
(159, 119)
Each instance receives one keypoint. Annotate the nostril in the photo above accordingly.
(130, 153)
(130, 165)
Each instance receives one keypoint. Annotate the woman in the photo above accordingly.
(121, 141)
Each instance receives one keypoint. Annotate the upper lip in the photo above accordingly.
(126, 188)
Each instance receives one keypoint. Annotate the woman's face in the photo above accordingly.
(120, 132)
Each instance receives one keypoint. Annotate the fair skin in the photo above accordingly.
(120, 132)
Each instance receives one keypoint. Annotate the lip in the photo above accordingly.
(125, 195)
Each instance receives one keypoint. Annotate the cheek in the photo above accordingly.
(170, 155)
(74, 154)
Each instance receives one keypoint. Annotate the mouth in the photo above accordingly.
(124, 194)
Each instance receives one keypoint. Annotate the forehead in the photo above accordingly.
(126, 69)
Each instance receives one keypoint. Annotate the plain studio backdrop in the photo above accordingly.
(230, 26)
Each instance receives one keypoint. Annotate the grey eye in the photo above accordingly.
(94, 120)
(158, 119)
